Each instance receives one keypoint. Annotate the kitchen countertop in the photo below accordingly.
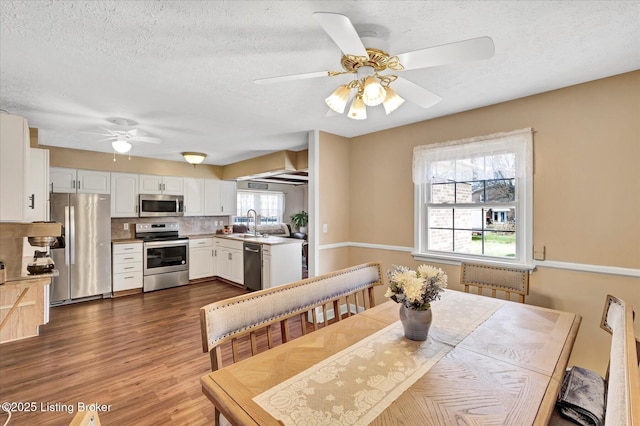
(126, 241)
(270, 240)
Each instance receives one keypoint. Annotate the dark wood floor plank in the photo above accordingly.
(141, 354)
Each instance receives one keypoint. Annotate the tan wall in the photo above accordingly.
(91, 160)
(334, 205)
(586, 193)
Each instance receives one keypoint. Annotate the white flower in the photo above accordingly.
(416, 289)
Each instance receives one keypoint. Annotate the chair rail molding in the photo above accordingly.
(582, 267)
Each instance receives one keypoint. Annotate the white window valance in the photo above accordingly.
(425, 156)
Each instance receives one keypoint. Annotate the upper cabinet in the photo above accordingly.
(220, 197)
(153, 184)
(14, 168)
(80, 181)
(194, 197)
(38, 185)
(124, 194)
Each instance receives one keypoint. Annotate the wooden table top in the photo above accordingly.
(506, 371)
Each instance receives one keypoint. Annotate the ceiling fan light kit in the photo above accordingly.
(194, 157)
(358, 110)
(392, 101)
(121, 146)
(372, 84)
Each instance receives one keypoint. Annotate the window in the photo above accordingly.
(473, 199)
(268, 204)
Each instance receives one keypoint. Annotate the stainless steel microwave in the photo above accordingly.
(157, 205)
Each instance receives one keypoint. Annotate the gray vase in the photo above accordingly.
(415, 323)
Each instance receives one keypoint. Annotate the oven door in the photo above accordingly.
(166, 256)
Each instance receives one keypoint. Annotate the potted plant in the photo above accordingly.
(414, 290)
(300, 221)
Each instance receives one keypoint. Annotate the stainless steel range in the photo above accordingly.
(165, 255)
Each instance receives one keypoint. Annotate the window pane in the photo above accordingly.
(501, 166)
(441, 240)
(501, 219)
(501, 190)
(464, 192)
(499, 244)
(441, 218)
(443, 193)
(463, 241)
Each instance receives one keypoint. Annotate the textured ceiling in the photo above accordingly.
(183, 69)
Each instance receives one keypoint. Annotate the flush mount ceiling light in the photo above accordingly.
(194, 157)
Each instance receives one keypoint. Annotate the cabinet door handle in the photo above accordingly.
(78, 185)
(128, 278)
(129, 267)
(229, 256)
(73, 184)
(128, 258)
(32, 199)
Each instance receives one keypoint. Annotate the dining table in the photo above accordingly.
(486, 361)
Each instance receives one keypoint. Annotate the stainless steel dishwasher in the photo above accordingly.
(252, 266)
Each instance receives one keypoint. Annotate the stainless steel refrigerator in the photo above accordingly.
(83, 254)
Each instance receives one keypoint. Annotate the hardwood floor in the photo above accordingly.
(139, 354)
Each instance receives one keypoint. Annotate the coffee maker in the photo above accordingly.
(41, 263)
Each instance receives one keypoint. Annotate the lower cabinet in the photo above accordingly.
(281, 264)
(229, 260)
(127, 266)
(201, 258)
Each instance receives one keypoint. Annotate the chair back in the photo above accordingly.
(497, 279)
(623, 381)
(252, 323)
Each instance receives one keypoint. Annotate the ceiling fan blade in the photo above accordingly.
(147, 139)
(460, 51)
(342, 32)
(136, 132)
(414, 93)
(291, 77)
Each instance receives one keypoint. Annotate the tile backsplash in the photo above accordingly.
(188, 225)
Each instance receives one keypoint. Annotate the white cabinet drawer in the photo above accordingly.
(133, 257)
(127, 281)
(127, 248)
(230, 244)
(201, 242)
(119, 268)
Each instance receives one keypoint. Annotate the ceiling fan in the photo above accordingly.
(121, 138)
(374, 69)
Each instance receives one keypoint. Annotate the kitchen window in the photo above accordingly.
(268, 204)
(473, 199)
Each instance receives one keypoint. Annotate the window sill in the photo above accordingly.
(458, 259)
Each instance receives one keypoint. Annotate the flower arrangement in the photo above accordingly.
(416, 289)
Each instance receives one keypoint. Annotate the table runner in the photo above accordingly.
(358, 383)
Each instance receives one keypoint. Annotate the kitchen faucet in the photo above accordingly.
(255, 221)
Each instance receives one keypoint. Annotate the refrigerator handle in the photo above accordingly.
(67, 241)
(72, 235)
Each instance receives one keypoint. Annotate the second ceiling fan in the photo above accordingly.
(374, 70)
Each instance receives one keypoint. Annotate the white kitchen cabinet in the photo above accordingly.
(127, 266)
(14, 168)
(201, 258)
(79, 180)
(193, 197)
(229, 260)
(38, 185)
(124, 195)
(281, 264)
(220, 197)
(154, 184)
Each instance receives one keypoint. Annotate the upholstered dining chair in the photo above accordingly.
(507, 281)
